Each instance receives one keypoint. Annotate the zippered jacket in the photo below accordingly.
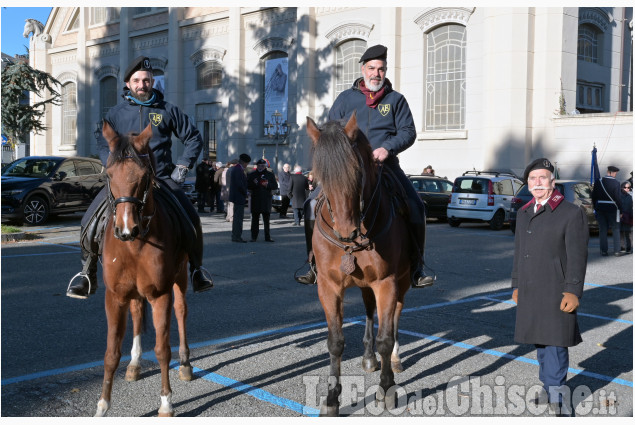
(167, 120)
(390, 125)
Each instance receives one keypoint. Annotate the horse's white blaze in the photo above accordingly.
(166, 404)
(102, 407)
(126, 229)
(135, 353)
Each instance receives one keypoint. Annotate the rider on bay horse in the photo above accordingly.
(143, 105)
(385, 118)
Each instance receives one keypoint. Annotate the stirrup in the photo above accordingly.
(205, 274)
(90, 284)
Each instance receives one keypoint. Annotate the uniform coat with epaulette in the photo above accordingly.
(550, 258)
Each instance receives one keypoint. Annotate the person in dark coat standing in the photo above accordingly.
(202, 184)
(297, 191)
(284, 180)
(550, 258)
(261, 182)
(607, 203)
(238, 195)
(626, 217)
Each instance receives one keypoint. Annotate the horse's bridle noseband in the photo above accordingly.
(140, 203)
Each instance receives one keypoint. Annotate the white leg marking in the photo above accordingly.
(135, 353)
(166, 404)
(102, 408)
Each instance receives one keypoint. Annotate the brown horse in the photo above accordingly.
(142, 261)
(372, 254)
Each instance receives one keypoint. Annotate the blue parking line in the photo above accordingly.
(497, 353)
(44, 253)
(617, 288)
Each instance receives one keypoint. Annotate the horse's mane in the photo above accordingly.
(125, 150)
(335, 163)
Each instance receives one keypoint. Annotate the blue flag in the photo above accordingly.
(595, 169)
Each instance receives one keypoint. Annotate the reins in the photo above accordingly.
(140, 203)
(351, 244)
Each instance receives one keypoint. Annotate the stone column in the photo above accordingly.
(235, 84)
(305, 93)
(174, 70)
(41, 144)
(124, 44)
(84, 76)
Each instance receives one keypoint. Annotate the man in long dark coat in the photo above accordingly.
(607, 202)
(238, 195)
(261, 182)
(550, 258)
(298, 190)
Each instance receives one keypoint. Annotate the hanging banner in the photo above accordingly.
(276, 92)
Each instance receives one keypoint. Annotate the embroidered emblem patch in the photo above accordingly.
(383, 109)
(156, 119)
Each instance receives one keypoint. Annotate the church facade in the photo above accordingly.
(489, 88)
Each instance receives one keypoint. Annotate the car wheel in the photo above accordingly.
(454, 222)
(35, 211)
(496, 223)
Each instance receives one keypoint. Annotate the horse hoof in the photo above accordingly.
(133, 373)
(396, 366)
(185, 373)
(385, 401)
(166, 414)
(329, 411)
(370, 364)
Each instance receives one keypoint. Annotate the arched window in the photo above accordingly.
(588, 43)
(347, 66)
(209, 75)
(445, 78)
(107, 94)
(69, 113)
(101, 15)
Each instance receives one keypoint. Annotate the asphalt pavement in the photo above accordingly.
(258, 339)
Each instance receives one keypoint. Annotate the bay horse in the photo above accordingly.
(373, 254)
(142, 262)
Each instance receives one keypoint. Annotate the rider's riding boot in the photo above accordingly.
(84, 283)
(419, 278)
(199, 275)
(310, 278)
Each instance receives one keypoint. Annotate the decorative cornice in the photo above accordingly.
(595, 16)
(66, 77)
(350, 29)
(70, 57)
(159, 63)
(319, 11)
(273, 43)
(156, 40)
(205, 31)
(208, 54)
(269, 18)
(103, 51)
(435, 16)
(107, 71)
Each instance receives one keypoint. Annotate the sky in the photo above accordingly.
(12, 26)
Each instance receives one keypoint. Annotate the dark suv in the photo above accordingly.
(36, 186)
(435, 193)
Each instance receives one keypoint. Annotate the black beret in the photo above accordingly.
(261, 161)
(245, 158)
(538, 164)
(140, 63)
(613, 169)
(374, 52)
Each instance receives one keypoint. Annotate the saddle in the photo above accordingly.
(399, 197)
(92, 236)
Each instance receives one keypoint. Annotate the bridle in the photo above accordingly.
(357, 240)
(140, 203)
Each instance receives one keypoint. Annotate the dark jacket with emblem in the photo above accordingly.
(550, 258)
(167, 120)
(261, 195)
(389, 125)
(237, 181)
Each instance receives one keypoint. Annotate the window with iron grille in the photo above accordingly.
(209, 75)
(69, 113)
(445, 78)
(588, 43)
(347, 66)
(107, 94)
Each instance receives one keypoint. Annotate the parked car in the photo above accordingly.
(577, 192)
(435, 192)
(483, 196)
(35, 187)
